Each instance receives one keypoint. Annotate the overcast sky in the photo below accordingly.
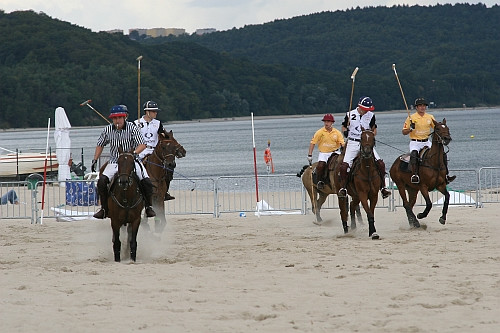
(99, 15)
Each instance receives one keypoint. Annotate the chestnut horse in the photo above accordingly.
(125, 204)
(363, 185)
(318, 197)
(160, 166)
(432, 172)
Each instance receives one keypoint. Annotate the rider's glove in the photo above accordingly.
(412, 126)
(309, 158)
(94, 165)
(346, 133)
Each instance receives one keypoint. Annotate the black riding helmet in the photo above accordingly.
(420, 101)
(150, 106)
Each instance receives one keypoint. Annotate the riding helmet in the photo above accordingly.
(328, 117)
(366, 104)
(420, 101)
(118, 111)
(151, 106)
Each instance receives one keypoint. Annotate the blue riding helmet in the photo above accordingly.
(366, 104)
(118, 111)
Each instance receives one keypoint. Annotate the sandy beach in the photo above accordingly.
(256, 274)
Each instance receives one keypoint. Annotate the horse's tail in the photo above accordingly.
(299, 174)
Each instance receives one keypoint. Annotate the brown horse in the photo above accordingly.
(125, 204)
(363, 185)
(432, 176)
(318, 197)
(160, 166)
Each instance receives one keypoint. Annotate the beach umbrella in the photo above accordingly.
(63, 144)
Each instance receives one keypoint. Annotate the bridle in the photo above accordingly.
(366, 151)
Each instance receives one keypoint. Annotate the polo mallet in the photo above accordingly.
(400, 88)
(353, 78)
(90, 106)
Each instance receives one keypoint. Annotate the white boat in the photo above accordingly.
(20, 165)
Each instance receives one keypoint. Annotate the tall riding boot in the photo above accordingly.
(102, 190)
(168, 179)
(320, 171)
(415, 179)
(147, 188)
(449, 179)
(343, 177)
(381, 171)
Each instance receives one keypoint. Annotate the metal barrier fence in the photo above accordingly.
(77, 199)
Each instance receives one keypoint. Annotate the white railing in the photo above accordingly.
(76, 199)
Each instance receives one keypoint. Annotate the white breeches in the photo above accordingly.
(323, 157)
(352, 150)
(112, 168)
(145, 152)
(418, 146)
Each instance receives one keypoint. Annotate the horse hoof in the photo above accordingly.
(317, 222)
(442, 221)
(375, 236)
(416, 224)
(421, 216)
(346, 230)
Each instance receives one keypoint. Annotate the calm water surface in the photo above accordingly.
(225, 147)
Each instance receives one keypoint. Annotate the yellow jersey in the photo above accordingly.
(423, 125)
(328, 141)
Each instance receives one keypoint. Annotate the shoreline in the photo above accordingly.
(225, 119)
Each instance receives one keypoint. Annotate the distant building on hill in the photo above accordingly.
(205, 31)
(115, 31)
(158, 32)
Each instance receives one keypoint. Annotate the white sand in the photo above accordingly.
(267, 274)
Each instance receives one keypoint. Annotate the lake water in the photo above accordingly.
(225, 147)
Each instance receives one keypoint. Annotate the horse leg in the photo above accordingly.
(428, 203)
(352, 211)
(117, 245)
(343, 204)
(321, 200)
(359, 216)
(446, 194)
(372, 232)
(412, 219)
(160, 220)
(133, 229)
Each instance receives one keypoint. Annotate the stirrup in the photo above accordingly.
(415, 179)
(385, 192)
(150, 212)
(321, 185)
(100, 214)
(342, 193)
(449, 179)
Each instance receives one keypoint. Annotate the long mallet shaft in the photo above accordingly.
(400, 88)
(353, 78)
(90, 106)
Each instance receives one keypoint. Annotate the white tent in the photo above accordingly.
(63, 145)
(263, 208)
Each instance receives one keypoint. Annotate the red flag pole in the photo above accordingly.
(45, 171)
(255, 162)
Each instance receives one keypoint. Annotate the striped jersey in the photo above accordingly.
(128, 138)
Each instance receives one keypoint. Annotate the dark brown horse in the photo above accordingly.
(432, 174)
(318, 197)
(125, 204)
(363, 185)
(160, 166)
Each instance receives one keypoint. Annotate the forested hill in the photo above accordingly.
(448, 53)
(298, 66)
(46, 63)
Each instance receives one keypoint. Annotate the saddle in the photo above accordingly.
(405, 160)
